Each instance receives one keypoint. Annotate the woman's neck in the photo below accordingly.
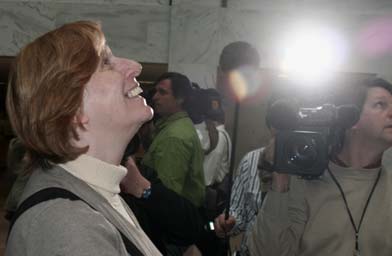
(106, 146)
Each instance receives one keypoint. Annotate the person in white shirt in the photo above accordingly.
(217, 161)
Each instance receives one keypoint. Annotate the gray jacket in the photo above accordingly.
(65, 227)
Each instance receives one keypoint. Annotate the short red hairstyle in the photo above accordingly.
(45, 90)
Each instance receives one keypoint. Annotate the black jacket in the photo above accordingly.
(165, 216)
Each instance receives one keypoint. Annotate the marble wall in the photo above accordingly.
(136, 29)
(190, 34)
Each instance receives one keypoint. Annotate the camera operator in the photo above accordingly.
(347, 210)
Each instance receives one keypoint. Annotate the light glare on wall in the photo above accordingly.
(312, 54)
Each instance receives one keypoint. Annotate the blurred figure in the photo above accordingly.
(207, 108)
(75, 106)
(246, 190)
(208, 116)
(197, 110)
(234, 57)
(217, 161)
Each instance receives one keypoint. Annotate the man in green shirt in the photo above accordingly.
(175, 151)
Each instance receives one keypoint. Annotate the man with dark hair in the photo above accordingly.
(234, 56)
(237, 54)
(175, 152)
(173, 91)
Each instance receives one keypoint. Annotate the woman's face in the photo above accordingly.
(111, 98)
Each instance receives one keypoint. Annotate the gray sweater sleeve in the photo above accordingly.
(280, 223)
(64, 227)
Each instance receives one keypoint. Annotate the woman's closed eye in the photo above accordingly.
(106, 59)
(106, 62)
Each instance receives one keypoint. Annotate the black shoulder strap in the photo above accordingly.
(213, 135)
(54, 193)
(227, 143)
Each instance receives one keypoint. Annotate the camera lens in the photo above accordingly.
(302, 151)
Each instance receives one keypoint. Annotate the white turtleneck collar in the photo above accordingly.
(103, 177)
(97, 173)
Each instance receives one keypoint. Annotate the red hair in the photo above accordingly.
(45, 90)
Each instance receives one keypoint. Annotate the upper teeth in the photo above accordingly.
(134, 92)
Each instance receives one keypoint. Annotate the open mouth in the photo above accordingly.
(134, 92)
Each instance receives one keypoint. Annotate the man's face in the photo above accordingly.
(376, 118)
(164, 101)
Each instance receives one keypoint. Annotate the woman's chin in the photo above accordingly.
(150, 114)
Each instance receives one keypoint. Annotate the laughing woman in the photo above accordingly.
(75, 106)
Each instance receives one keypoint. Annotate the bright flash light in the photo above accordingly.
(312, 54)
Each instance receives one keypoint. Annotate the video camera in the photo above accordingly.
(305, 136)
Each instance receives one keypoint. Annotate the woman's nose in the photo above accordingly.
(129, 68)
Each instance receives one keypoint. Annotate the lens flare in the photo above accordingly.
(376, 39)
(248, 83)
(238, 85)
